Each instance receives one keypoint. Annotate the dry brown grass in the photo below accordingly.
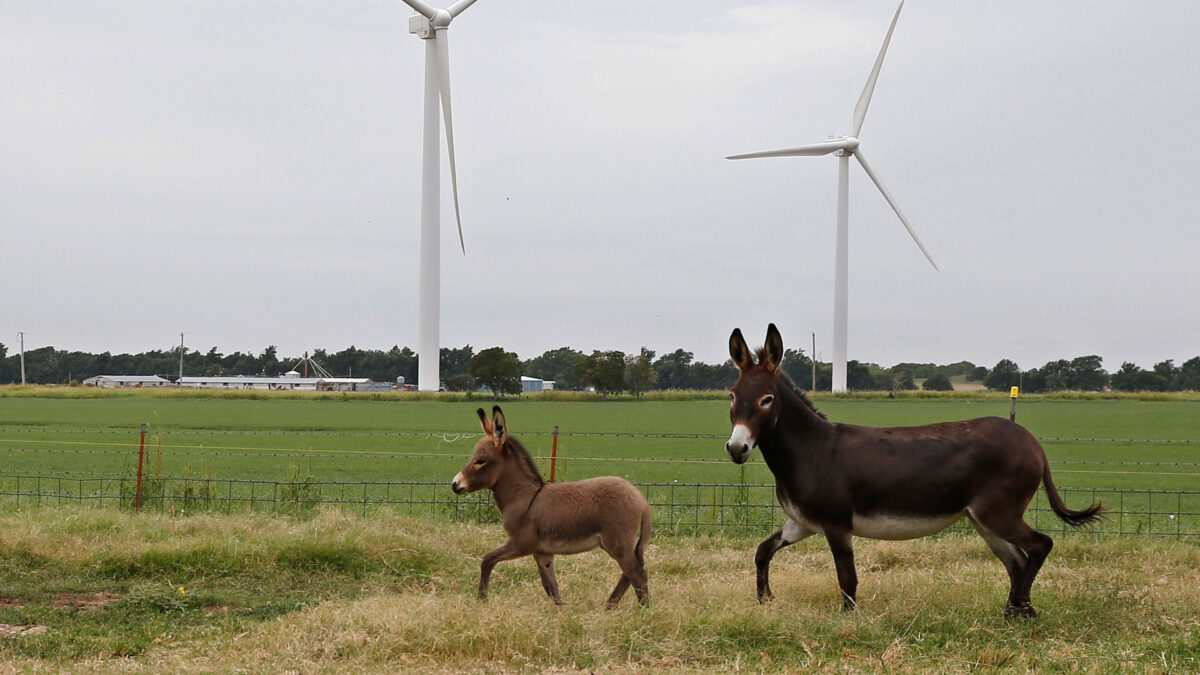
(925, 606)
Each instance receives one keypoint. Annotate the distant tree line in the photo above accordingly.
(607, 372)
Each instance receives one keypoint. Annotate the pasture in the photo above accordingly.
(335, 589)
(111, 591)
(231, 451)
(1101, 443)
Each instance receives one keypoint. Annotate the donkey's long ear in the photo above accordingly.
(773, 349)
(487, 424)
(499, 425)
(739, 351)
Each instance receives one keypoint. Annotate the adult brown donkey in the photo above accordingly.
(844, 480)
(545, 519)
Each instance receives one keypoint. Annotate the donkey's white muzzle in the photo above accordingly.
(740, 443)
(459, 484)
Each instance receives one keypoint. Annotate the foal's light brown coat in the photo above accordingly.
(546, 519)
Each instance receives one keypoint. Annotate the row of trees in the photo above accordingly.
(464, 369)
(1086, 374)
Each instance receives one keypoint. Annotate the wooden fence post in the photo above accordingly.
(553, 453)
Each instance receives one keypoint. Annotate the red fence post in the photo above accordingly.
(137, 500)
(553, 453)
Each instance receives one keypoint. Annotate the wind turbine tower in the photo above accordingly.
(845, 147)
(431, 25)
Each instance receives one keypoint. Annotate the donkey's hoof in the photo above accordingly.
(1020, 612)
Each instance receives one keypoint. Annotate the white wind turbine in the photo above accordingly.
(845, 147)
(431, 25)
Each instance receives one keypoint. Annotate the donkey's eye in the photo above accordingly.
(480, 462)
(766, 401)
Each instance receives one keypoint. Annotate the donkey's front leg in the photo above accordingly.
(843, 560)
(545, 563)
(507, 551)
(787, 535)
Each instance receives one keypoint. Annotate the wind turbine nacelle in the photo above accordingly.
(420, 26)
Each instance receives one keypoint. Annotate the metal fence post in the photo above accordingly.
(137, 500)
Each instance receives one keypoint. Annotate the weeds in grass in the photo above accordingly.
(300, 494)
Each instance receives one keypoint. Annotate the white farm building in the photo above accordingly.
(111, 381)
(285, 383)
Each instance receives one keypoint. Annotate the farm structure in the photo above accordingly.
(113, 381)
(532, 384)
(528, 385)
(285, 383)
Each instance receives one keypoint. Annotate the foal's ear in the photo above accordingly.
(773, 349)
(498, 423)
(739, 351)
(487, 424)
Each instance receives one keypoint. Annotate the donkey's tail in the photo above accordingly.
(644, 537)
(1069, 516)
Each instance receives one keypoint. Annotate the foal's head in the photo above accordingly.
(489, 458)
(753, 410)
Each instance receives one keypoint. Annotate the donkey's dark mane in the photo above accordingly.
(524, 459)
(791, 386)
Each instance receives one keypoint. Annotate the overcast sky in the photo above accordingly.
(248, 173)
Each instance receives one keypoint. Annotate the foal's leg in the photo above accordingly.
(843, 560)
(507, 551)
(787, 535)
(614, 598)
(633, 571)
(545, 565)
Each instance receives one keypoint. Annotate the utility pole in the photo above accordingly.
(814, 363)
(22, 335)
(180, 382)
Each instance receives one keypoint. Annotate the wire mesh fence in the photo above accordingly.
(679, 508)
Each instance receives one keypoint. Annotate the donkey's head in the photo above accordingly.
(487, 463)
(753, 410)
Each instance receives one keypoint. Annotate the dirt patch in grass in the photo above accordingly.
(9, 629)
(84, 601)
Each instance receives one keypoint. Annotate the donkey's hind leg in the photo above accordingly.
(1016, 541)
(545, 563)
(619, 592)
(633, 572)
(1013, 558)
(787, 535)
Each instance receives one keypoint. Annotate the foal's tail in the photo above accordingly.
(1071, 517)
(644, 537)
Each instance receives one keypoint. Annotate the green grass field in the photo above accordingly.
(1127, 443)
(103, 589)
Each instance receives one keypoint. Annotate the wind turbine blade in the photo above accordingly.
(422, 8)
(443, 67)
(864, 100)
(458, 7)
(814, 150)
(892, 202)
